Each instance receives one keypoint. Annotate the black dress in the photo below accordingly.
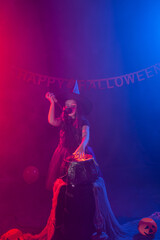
(70, 139)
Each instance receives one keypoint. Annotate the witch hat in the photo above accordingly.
(83, 102)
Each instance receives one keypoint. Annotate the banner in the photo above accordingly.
(102, 84)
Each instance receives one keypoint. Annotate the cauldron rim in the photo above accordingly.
(72, 158)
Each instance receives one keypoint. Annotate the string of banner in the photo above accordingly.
(105, 83)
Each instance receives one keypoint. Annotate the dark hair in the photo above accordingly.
(84, 104)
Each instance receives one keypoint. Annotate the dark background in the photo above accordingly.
(83, 39)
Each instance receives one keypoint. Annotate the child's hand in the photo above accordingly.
(51, 97)
(80, 152)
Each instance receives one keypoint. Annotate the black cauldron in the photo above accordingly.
(81, 171)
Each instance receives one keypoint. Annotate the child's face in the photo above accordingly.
(70, 103)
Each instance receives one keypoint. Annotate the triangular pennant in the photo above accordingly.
(76, 88)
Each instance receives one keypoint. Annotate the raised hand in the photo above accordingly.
(51, 97)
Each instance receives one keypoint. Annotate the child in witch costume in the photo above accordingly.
(74, 137)
(74, 132)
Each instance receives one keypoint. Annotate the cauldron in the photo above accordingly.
(81, 170)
